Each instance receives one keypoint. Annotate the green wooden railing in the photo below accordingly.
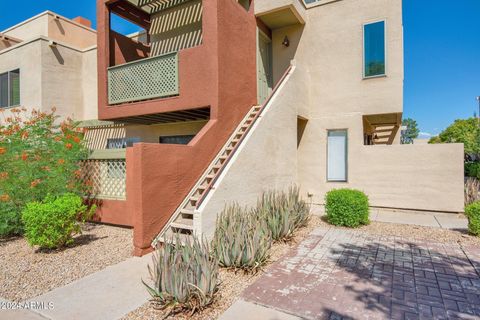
(149, 78)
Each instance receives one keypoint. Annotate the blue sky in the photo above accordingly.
(442, 53)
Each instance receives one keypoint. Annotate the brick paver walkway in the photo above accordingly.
(339, 274)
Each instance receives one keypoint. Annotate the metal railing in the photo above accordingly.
(105, 172)
(144, 79)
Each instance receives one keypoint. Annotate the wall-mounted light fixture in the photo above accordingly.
(52, 44)
(286, 42)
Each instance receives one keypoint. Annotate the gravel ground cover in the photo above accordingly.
(233, 283)
(26, 272)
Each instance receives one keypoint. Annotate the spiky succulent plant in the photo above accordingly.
(241, 241)
(283, 212)
(183, 276)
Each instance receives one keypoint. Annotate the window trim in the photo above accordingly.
(385, 32)
(9, 105)
(346, 156)
(317, 3)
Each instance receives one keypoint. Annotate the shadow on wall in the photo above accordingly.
(58, 55)
(97, 138)
(60, 27)
(177, 28)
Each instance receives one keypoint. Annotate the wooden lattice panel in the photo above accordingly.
(144, 79)
(107, 178)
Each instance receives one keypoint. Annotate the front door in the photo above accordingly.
(264, 66)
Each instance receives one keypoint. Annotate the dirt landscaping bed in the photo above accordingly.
(26, 272)
(233, 283)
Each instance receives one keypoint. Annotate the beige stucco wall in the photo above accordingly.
(63, 77)
(267, 159)
(329, 47)
(89, 84)
(70, 32)
(62, 80)
(58, 29)
(421, 177)
(30, 29)
(27, 58)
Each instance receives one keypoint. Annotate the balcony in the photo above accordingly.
(150, 78)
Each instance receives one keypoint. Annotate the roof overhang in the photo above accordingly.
(281, 17)
(167, 117)
(383, 127)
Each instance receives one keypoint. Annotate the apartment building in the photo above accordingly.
(222, 100)
(214, 102)
(50, 61)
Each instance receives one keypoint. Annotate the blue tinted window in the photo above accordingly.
(374, 37)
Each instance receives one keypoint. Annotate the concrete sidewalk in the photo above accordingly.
(108, 294)
(442, 220)
(425, 219)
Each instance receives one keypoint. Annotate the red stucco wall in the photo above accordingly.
(221, 73)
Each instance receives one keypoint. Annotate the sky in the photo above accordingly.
(442, 53)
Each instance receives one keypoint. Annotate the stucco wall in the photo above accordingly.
(60, 29)
(61, 77)
(30, 29)
(62, 80)
(425, 177)
(266, 159)
(28, 59)
(89, 85)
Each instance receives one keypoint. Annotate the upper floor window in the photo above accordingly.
(374, 49)
(10, 89)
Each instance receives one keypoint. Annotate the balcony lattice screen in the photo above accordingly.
(107, 177)
(144, 79)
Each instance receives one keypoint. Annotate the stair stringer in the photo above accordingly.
(279, 173)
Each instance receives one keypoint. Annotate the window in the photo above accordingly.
(337, 154)
(374, 49)
(176, 139)
(10, 89)
(121, 143)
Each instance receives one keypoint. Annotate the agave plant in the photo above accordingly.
(300, 207)
(283, 212)
(240, 241)
(183, 276)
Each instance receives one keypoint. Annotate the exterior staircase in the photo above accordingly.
(182, 222)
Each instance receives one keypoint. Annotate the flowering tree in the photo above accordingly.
(39, 156)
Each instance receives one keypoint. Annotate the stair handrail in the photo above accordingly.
(244, 135)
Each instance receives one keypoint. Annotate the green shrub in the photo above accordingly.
(184, 276)
(53, 223)
(241, 241)
(38, 156)
(472, 169)
(346, 207)
(10, 221)
(283, 212)
(473, 213)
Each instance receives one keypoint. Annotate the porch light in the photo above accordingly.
(286, 42)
